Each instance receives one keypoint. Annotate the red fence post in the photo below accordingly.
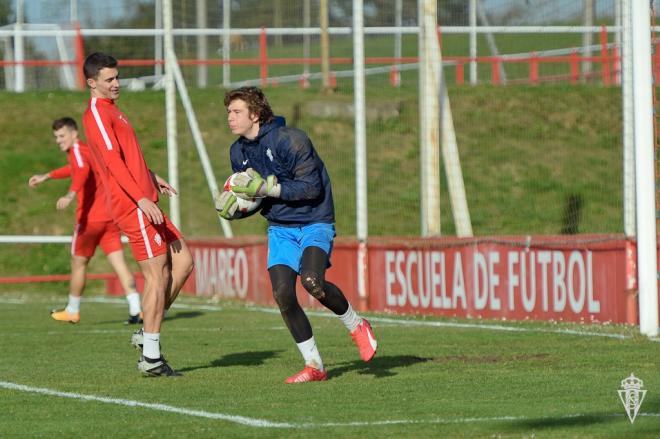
(80, 57)
(534, 69)
(304, 81)
(395, 78)
(604, 55)
(263, 57)
(616, 69)
(495, 71)
(460, 73)
(575, 70)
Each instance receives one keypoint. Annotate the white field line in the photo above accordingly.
(12, 301)
(251, 422)
(129, 330)
(264, 423)
(390, 321)
(116, 300)
(83, 330)
(407, 322)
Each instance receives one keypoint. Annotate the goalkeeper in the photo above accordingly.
(281, 165)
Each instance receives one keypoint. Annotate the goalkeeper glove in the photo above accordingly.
(250, 184)
(226, 205)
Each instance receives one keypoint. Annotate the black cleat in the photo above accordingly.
(134, 320)
(156, 368)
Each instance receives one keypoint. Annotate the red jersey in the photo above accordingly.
(121, 165)
(91, 203)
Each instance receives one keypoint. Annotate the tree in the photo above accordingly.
(6, 12)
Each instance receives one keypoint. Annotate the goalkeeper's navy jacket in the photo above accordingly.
(287, 153)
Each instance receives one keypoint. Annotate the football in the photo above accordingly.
(244, 205)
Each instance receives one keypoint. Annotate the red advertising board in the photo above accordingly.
(579, 278)
(501, 278)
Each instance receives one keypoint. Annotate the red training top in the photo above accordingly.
(91, 204)
(121, 165)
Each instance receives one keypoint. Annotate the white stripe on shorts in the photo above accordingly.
(147, 245)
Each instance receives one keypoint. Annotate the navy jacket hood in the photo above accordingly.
(287, 153)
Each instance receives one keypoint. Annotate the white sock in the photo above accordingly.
(151, 345)
(74, 304)
(133, 299)
(310, 353)
(350, 319)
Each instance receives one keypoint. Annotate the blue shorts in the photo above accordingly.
(286, 244)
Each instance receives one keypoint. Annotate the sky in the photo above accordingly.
(59, 11)
(533, 11)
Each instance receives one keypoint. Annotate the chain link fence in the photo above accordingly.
(536, 103)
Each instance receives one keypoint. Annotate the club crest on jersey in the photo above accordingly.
(269, 154)
(157, 239)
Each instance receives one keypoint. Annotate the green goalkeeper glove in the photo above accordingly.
(226, 205)
(252, 185)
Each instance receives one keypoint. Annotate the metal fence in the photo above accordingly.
(556, 65)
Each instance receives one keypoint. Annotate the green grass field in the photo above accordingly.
(430, 378)
(524, 151)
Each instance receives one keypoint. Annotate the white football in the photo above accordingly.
(244, 205)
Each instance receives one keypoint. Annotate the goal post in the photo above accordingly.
(174, 77)
(644, 168)
(170, 112)
(198, 140)
(437, 134)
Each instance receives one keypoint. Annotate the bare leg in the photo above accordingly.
(156, 273)
(78, 275)
(71, 313)
(118, 263)
(181, 263)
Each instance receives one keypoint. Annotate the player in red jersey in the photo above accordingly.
(94, 226)
(132, 189)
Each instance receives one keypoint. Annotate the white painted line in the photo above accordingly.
(263, 423)
(13, 301)
(125, 331)
(492, 327)
(101, 299)
(250, 422)
(116, 300)
(497, 327)
(392, 321)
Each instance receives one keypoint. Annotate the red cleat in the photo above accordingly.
(308, 374)
(363, 336)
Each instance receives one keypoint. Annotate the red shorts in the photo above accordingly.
(147, 240)
(87, 236)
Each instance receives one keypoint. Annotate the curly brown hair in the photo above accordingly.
(255, 99)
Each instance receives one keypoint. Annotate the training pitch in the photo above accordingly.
(430, 378)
